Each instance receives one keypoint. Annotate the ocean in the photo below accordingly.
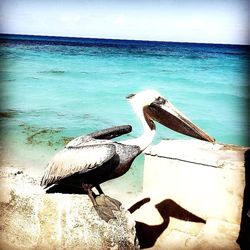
(54, 89)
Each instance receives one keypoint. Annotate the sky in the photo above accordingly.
(202, 21)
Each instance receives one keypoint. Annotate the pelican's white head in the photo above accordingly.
(140, 101)
(150, 105)
(143, 99)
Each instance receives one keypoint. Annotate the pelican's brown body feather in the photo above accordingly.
(87, 160)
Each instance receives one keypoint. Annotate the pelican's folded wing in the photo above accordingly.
(106, 134)
(111, 133)
(76, 159)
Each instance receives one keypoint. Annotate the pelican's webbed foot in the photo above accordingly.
(105, 206)
(104, 212)
(109, 202)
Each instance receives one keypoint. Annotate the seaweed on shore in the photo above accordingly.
(43, 136)
(31, 138)
(67, 139)
(10, 113)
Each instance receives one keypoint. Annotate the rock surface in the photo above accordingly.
(31, 219)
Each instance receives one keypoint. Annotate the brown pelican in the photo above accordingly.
(87, 161)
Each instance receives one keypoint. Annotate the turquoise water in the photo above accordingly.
(57, 89)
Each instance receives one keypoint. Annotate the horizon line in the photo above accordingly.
(121, 39)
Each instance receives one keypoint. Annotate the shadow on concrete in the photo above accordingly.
(148, 234)
(244, 234)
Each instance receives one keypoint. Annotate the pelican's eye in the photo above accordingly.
(160, 100)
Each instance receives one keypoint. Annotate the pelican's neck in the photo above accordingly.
(149, 131)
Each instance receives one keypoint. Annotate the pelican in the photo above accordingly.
(87, 161)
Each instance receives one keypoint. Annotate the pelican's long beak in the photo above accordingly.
(165, 113)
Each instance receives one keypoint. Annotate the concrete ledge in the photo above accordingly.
(201, 178)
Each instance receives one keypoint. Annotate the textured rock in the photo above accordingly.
(31, 219)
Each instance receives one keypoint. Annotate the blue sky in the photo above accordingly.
(209, 21)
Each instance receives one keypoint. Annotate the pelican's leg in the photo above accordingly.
(99, 189)
(112, 203)
(103, 211)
